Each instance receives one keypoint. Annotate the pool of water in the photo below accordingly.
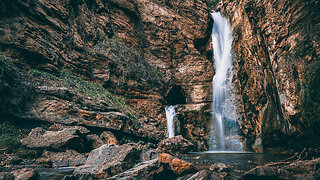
(55, 174)
(236, 160)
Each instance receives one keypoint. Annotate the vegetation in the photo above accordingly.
(95, 91)
(311, 97)
(10, 137)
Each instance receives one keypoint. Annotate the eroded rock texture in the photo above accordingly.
(276, 57)
(141, 50)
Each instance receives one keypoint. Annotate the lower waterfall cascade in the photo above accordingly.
(170, 115)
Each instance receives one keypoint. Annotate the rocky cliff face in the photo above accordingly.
(107, 64)
(276, 58)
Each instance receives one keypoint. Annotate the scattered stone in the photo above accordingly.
(203, 175)
(108, 138)
(109, 160)
(266, 172)
(149, 155)
(67, 138)
(6, 176)
(175, 145)
(95, 141)
(219, 167)
(46, 159)
(144, 170)
(178, 166)
(26, 174)
(68, 158)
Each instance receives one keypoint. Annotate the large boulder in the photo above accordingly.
(175, 145)
(95, 141)
(109, 160)
(67, 138)
(178, 166)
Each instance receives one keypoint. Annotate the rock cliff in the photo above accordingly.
(276, 59)
(107, 64)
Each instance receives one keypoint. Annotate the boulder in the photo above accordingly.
(175, 145)
(26, 174)
(68, 158)
(109, 160)
(219, 167)
(178, 166)
(67, 138)
(144, 170)
(95, 141)
(46, 159)
(149, 155)
(203, 175)
(108, 138)
(266, 172)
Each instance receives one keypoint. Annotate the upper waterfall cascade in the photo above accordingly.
(224, 121)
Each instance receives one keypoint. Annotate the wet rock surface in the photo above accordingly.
(276, 47)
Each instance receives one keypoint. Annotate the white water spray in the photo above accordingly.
(222, 44)
(170, 115)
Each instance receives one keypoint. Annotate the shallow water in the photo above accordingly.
(238, 162)
(55, 174)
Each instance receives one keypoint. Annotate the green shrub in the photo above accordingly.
(311, 97)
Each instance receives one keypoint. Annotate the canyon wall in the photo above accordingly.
(276, 62)
(110, 64)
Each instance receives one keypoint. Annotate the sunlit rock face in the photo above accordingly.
(140, 50)
(276, 46)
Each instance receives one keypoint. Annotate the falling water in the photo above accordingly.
(170, 115)
(221, 43)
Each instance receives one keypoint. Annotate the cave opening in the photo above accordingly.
(175, 96)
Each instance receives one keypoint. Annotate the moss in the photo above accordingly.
(310, 98)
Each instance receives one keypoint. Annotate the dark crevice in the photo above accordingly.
(175, 96)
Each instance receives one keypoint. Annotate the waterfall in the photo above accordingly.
(170, 115)
(224, 121)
